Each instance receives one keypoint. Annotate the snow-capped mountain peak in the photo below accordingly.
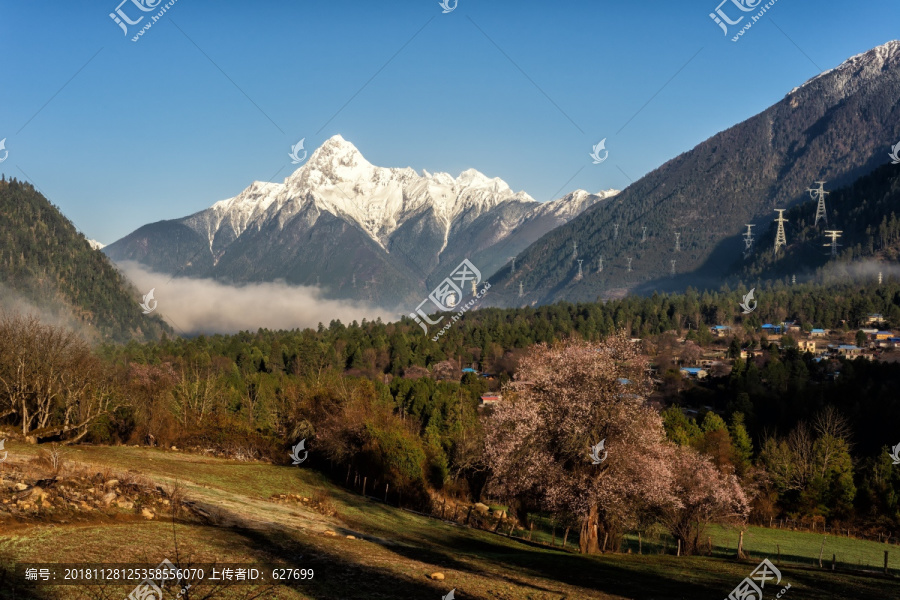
(854, 71)
(338, 180)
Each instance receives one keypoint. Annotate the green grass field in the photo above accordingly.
(395, 550)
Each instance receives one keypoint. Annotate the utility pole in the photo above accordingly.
(819, 193)
(834, 235)
(780, 238)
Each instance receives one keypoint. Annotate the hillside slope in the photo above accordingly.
(867, 213)
(45, 263)
(835, 128)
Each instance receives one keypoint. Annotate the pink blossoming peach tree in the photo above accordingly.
(567, 398)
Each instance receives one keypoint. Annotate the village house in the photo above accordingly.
(849, 350)
(818, 333)
(694, 372)
(806, 346)
(874, 318)
(490, 399)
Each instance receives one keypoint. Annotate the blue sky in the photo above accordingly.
(119, 134)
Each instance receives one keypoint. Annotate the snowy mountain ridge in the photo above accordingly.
(337, 179)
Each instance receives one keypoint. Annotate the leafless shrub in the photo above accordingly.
(52, 457)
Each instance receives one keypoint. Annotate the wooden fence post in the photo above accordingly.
(833, 560)
(364, 486)
(885, 562)
(822, 549)
(740, 548)
(640, 545)
(386, 487)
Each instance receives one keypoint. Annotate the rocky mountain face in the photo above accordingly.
(359, 231)
(681, 225)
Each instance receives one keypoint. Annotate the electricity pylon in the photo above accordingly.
(819, 193)
(677, 242)
(748, 240)
(644, 235)
(579, 276)
(629, 264)
(780, 238)
(834, 235)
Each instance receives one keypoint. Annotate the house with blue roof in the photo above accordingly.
(818, 333)
(694, 372)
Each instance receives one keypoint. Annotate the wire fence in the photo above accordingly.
(785, 542)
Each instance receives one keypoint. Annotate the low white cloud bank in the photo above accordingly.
(209, 306)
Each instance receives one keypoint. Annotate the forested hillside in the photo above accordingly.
(47, 264)
(865, 213)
